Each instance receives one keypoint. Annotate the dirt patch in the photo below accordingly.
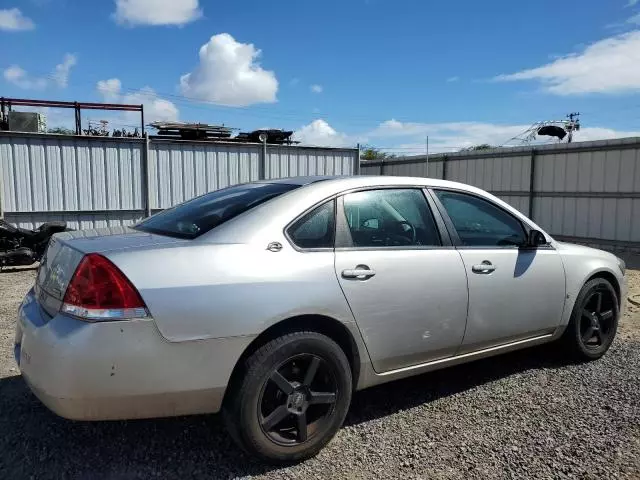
(630, 322)
(14, 284)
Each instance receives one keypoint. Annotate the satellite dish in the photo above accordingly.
(553, 131)
(262, 137)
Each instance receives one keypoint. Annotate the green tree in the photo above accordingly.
(371, 153)
(483, 146)
(61, 131)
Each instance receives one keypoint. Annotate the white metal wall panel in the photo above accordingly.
(417, 168)
(591, 217)
(289, 161)
(46, 173)
(589, 171)
(499, 174)
(179, 171)
(519, 202)
(580, 175)
(370, 169)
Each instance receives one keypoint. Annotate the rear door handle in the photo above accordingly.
(361, 272)
(484, 267)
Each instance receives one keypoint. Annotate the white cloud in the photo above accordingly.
(228, 74)
(611, 65)
(445, 137)
(156, 12)
(109, 89)
(20, 78)
(316, 88)
(599, 133)
(12, 20)
(410, 138)
(155, 108)
(632, 3)
(62, 71)
(453, 79)
(635, 20)
(320, 133)
(59, 77)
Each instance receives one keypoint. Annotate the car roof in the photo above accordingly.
(305, 180)
(338, 182)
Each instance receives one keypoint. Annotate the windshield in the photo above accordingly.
(196, 217)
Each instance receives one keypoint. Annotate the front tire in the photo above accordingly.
(594, 321)
(292, 399)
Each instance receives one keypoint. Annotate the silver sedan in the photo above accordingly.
(273, 301)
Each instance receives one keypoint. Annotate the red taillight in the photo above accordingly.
(98, 290)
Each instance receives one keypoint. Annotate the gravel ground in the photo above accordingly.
(527, 414)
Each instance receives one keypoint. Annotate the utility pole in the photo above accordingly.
(573, 125)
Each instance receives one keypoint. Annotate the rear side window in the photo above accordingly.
(201, 214)
(316, 229)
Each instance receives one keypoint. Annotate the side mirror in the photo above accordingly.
(536, 239)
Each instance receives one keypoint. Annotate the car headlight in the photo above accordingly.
(622, 266)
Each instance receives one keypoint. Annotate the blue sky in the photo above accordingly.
(386, 73)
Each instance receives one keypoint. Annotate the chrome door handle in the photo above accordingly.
(484, 267)
(359, 272)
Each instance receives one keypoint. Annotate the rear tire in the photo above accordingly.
(594, 321)
(292, 398)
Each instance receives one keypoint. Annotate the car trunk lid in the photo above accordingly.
(66, 250)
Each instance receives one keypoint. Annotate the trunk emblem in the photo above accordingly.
(274, 247)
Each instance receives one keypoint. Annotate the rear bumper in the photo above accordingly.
(119, 370)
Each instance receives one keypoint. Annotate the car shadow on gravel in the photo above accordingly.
(403, 394)
(35, 443)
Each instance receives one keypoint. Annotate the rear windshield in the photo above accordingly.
(201, 214)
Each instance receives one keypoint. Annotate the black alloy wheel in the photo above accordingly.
(594, 321)
(297, 400)
(290, 398)
(597, 320)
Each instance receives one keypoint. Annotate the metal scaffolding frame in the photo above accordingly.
(7, 103)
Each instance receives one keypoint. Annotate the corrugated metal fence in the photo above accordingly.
(92, 182)
(586, 192)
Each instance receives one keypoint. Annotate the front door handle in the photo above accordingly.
(484, 267)
(361, 272)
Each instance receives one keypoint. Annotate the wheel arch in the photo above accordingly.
(611, 278)
(332, 328)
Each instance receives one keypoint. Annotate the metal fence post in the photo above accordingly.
(262, 166)
(1, 191)
(532, 181)
(146, 192)
(444, 167)
(356, 167)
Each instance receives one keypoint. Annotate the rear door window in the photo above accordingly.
(201, 214)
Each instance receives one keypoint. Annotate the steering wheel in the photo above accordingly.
(510, 241)
(407, 238)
